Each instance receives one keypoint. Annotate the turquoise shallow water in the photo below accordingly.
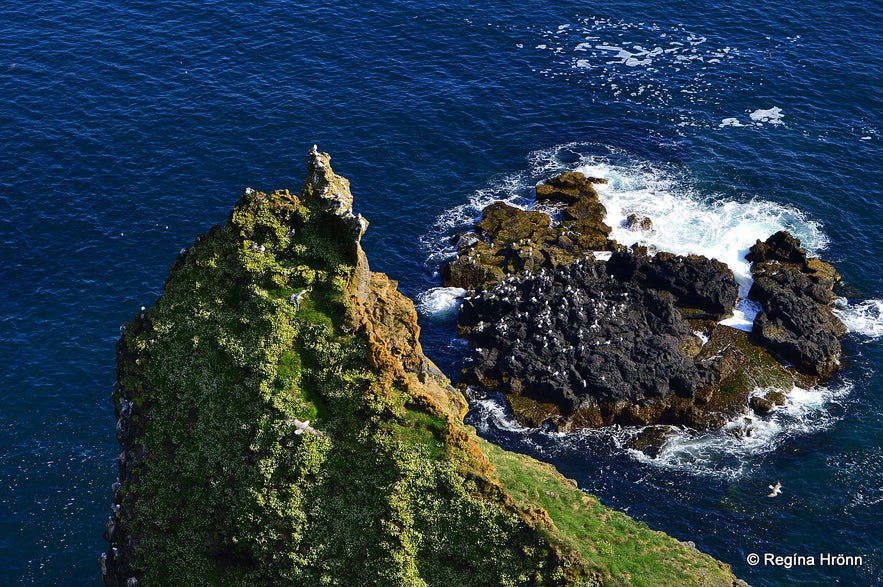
(129, 128)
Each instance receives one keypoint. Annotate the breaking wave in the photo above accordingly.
(731, 452)
(683, 221)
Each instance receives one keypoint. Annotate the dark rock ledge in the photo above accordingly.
(574, 341)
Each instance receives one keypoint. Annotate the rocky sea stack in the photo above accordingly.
(579, 331)
(281, 425)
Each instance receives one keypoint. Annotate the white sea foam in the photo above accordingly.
(683, 72)
(441, 303)
(732, 451)
(771, 115)
(703, 338)
(684, 223)
(492, 411)
(671, 65)
(865, 318)
(743, 316)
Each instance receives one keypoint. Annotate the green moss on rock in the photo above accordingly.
(512, 240)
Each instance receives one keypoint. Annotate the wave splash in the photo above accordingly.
(731, 453)
(865, 318)
(440, 304)
(684, 222)
(734, 450)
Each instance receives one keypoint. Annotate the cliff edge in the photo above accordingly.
(280, 425)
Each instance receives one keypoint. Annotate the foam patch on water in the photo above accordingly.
(690, 76)
(865, 318)
(441, 303)
(492, 412)
(771, 115)
(634, 62)
(757, 117)
(744, 314)
(645, 64)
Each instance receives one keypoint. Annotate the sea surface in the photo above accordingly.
(128, 128)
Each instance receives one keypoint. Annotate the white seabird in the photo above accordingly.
(303, 427)
(296, 298)
(777, 489)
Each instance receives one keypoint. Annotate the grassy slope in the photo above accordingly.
(394, 491)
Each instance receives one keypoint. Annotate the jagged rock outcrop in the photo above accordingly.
(509, 240)
(281, 425)
(638, 223)
(603, 345)
(592, 344)
(703, 288)
(795, 292)
(635, 339)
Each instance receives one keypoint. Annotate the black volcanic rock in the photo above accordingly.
(581, 339)
(781, 246)
(795, 292)
(702, 287)
(573, 341)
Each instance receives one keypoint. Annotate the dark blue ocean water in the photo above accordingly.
(127, 128)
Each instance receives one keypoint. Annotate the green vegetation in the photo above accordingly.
(393, 490)
(620, 550)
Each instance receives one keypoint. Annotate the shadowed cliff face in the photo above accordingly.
(280, 424)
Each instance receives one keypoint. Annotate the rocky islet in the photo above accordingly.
(578, 330)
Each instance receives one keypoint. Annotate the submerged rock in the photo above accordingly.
(651, 439)
(635, 222)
